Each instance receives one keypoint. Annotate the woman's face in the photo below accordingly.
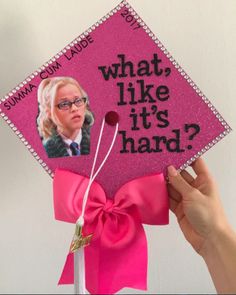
(68, 121)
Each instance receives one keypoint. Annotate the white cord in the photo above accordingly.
(79, 264)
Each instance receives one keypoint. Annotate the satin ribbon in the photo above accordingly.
(117, 255)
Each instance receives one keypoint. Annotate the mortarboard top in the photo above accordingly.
(164, 118)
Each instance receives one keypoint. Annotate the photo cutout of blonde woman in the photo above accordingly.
(64, 118)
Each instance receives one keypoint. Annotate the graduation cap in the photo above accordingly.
(118, 88)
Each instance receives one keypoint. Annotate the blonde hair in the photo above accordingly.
(47, 91)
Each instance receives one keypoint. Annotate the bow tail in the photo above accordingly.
(109, 270)
(67, 275)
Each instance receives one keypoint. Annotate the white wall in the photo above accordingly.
(201, 35)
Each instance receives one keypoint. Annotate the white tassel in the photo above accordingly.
(79, 241)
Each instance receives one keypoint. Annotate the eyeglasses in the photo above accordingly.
(66, 105)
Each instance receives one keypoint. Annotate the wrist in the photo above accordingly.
(216, 240)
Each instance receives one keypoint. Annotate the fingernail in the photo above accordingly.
(172, 171)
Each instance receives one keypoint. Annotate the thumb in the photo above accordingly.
(179, 183)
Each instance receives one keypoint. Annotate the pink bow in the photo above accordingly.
(117, 255)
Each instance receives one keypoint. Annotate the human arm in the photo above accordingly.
(197, 206)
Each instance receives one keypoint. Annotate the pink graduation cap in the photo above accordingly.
(105, 117)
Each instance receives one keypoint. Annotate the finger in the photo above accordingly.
(200, 167)
(178, 182)
(173, 193)
(187, 176)
(173, 205)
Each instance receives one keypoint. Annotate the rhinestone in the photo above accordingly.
(222, 135)
(10, 93)
(192, 84)
(37, 157)
(212, 108)
(46, 168)
(142, 24)
(139, 20)
(28, 146)
(60, 53)
(182, 73)
(44, 164)
(17, 132)
(31, 150)
(40, 161)
(181, 167)
(3, 99)
(24, 82)
(204, 150)
(5, 118)
(64, 50)
(145, 27)
(154, 37)
(28, 79)
(199, 153)
(32, 76)
(14, 91)
(26, 142)
(225, 132)
(35, 73)
(223, 123)
(8, 121)
(34, 154)
(2, 115)
(11, 125)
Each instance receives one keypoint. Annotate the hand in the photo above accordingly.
(196, 204)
